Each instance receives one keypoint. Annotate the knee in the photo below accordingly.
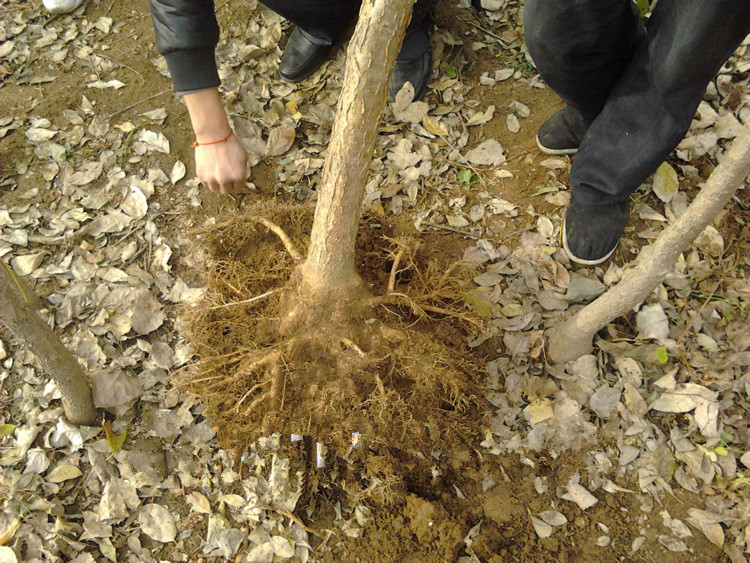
(571, 31)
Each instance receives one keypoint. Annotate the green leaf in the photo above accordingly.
(451, 72)
(661, 355)
(546, 190)
(7, 430)
(720, 450)
(478, 304)
(465, 176)
(643, 6)
(115, 441)
(665, 184)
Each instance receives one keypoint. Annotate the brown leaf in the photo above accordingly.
(280, 140)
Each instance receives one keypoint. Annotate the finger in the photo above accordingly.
(238, 186)
(226, 187)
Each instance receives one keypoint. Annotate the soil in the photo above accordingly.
(441, 496)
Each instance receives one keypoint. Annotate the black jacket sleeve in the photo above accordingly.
(187, 34)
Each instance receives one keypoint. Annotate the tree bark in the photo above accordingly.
(573, 338)
(370, 60)
(18, 313)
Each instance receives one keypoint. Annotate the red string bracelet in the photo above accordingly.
(224, 140)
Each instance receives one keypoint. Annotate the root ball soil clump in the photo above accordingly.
(387, 360)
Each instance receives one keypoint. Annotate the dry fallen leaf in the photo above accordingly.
(178, 172)
(198, 502)
(578, 494)
(554, 518)
(280, 140)
(512, 123)
(64, 472)
(488, 153)
(157, 522)
(652, 322)
(542, 528)
(407, 110)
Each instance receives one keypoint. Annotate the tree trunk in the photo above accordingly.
(370, 60)
(572, 339)
(17, 312)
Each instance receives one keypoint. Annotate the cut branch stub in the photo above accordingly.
(573, 338)
(370, 60)
(17, 312)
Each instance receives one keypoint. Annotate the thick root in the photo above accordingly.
(279, 232)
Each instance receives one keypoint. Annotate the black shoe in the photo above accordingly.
(414, 61)
(591, 232)
(301, 57)
(417, 72)
(562, 133)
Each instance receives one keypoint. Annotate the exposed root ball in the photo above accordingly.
(387, 360)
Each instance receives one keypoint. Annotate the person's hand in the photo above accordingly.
(220, 160)
(221, 166)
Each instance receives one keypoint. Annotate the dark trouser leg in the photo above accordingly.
(581, 46)
(323, 20)
(416, 41)
(653, 102)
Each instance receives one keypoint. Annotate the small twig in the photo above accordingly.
(394, 270)
(245, 301)
(131, 106)
(524, 153)
(279, 232)
(468, 165)
(93, 68)
(322, 545)
(487, 31)
(294, 518)
(700, 311)
(122, 65)
(451, 229)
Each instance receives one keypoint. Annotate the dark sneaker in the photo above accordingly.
(417, 72)
(562, 133)
(302, 57)
(591, 232)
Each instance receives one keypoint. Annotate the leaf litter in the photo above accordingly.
(615, 422)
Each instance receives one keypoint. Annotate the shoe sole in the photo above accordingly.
(554, 152)
(581, 261)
